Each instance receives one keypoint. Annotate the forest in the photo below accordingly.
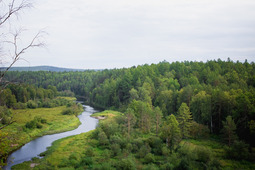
(164, 106)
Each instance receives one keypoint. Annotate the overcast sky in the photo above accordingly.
(98, 34)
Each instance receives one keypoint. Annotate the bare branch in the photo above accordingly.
(35, 42)
(7, 124)
(14, 9)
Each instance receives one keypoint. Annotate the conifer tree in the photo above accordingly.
(170, 132)
(229, 128)
(184, 118)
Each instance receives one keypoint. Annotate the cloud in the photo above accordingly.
(114, 33)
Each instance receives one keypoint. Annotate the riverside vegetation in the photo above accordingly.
(34, 117)
(182, 115)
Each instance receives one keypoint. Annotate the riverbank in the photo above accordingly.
(18, 134)
(60, 149)
(68, 149)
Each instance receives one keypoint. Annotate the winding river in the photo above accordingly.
(39, 145)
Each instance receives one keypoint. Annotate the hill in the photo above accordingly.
(42, 68)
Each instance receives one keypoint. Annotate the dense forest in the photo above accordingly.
(167, 102)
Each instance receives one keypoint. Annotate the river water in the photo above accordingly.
(39, 145)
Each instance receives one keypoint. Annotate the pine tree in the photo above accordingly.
(184, 118)
(229, 128)
(170, 132)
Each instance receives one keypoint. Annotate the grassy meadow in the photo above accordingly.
(56, 122)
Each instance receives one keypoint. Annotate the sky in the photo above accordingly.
(99, 34)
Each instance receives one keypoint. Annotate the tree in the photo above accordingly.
(170, 132)
(130, 117)
(184, 118)
(158, 116)
(10, 42)
(200, 107)
(229, 128)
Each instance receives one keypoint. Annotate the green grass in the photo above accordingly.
(56, 122)
(107, 113)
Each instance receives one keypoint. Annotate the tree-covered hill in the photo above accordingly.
(213, 98)
(42, 68)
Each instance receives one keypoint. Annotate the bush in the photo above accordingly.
(203, 154)
(5, 114)
(184, 165)
(198, 130)
(31, 124)
(20, 105)
(72, 109)
(239, 151)
(36, 123)
(89, 152)
(67, 111)
(155, 144)
(32, 104)
(88, 161)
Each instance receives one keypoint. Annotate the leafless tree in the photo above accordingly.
(11, 47)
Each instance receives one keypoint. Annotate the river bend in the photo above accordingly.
(39, 145)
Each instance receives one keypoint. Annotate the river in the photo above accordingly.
(39, 145)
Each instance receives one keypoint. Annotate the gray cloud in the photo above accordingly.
(115, 34)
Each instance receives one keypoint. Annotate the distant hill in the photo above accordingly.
(42, 68)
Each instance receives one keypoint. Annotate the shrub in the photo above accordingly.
(5, 115)
(184, 165)
(20, 105)
(89, 152)
(32, 104)
(67, 111)
(31, 124)
(239, 151)
(203, 154)
(36, 123)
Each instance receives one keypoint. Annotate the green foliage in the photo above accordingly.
(5, 115)
(36, 123)
(198, 130)
(4, 143)
(228, 130)
(149, 158)
(184, 118)
(170, 132)
(203, 154)
(126, 164)
(239, 151)
(151, 96)
(72, 109)
(32, 104)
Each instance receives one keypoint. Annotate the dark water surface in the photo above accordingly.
(39, 145)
